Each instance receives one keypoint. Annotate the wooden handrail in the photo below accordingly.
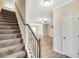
(25, 23)
(32, 31)
(20, 15)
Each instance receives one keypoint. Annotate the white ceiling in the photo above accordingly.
(35, 10)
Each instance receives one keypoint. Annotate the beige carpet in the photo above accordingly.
(47, 48)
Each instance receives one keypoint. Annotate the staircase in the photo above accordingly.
(11, 42)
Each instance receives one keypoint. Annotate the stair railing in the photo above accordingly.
(33, 42)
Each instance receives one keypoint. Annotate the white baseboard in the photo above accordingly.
(61, 52)
(29, 52)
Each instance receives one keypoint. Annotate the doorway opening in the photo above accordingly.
(9, 4)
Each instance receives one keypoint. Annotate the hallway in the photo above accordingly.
(47, 48)
(39, 28)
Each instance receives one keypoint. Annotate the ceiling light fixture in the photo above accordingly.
(43, 20)
(47, 2)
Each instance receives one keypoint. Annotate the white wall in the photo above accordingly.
(21, 6)
(46, 29)
(57, 41)
(1, 4)
(40, 28)
(58, 14)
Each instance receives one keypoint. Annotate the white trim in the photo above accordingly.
(59, 51)
(65, 3)
(28, 52)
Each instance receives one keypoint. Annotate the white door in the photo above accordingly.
(68, 35)
(76, 42)
(64, 34)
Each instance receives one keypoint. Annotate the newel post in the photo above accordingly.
(39, 47)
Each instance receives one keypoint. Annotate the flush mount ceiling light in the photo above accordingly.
(46, 3)
(43, 20)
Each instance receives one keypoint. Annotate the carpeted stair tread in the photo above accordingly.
(7, 12)
(20, 54)
(10, 36)
(9, 42)
(10, 50)
(3, 20)
(9, 27)
(7, 18)
(7, 23)
(9, 31)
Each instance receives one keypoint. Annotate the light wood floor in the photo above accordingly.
(47, 48)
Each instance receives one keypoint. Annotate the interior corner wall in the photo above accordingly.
(46, 29)
(1, 4)
(21, 6)
(58, 14)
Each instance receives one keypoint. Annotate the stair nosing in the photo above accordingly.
(4, 48)
(10, 30)
(10, 39)
(10, 34)
(15, 53)
(7, 23)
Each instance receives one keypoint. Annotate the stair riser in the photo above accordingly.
(9, 15)
(8, 21)
(8, 18)
(10, 36)
(9, 51)
(20, 54)
(11, 27)
(9, 32)
(9, 24)
(6, 12)
(9, 42)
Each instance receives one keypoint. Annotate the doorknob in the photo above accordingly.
(78, 36)
(64, 37)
